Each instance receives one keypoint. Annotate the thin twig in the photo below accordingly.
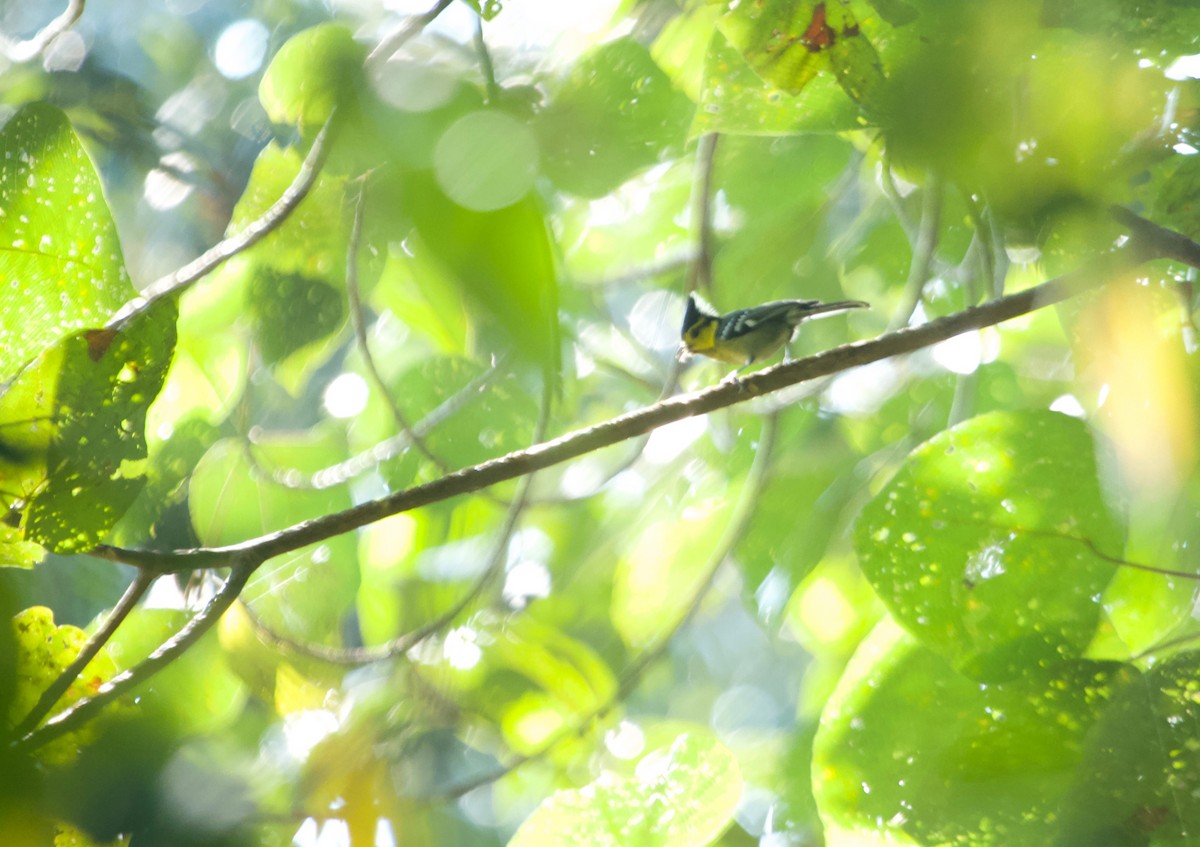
(195, 270)
(700, 270)
(1169, 644)
(389, 448)
(1078, 539)
(408, 28)
(133, 593)
(485, 65)
(75, 716)
(641, 273)
(23, 51)
(360, 335)
(923, 253)
(403, 643)
(887, 183)
(1092, 274)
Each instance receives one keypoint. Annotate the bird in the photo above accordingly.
(745, 336)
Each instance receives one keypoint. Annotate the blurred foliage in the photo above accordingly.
(941, 599)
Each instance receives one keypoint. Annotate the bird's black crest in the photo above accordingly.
(697, 308)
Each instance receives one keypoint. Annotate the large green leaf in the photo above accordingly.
(1140, 775)
(313, 72)
(989, 542)
(684, 796)
(616, 113)
(502, 260)
(81, 409)
(911, 752)
(735, 100)
(788, 42)
(293, 282)
(61, 266)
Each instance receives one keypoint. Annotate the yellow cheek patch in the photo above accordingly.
(701, 338)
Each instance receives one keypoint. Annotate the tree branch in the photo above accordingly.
(368, 459)
(411, 25)
(1149, 243)
(403, 643)
(924, 246)
(135, 591)
(72, 718)
(23, 51)
(254, 232)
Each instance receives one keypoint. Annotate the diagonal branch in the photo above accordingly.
(401, 34)
(1146, 244)
(59, 686)
(183, 278)
(72, 718)
(404, 642)
(23, 51)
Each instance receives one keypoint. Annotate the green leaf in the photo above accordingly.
(1140, 775)
(295, 278)
(911, 752)
(304, 593)
(788, 42)
(550, 679)
(312, 241)
(736, 101)
(486, 9)
(313, 72)
(616, 113)
(288, 311)
(43, 652)
(155, 513)
(987, 543)
(486, 160)
(660, 571)
(684, 796)
(85, 399)
(502, 259)
(60, 258)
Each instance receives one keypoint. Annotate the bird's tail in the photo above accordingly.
(815, 308)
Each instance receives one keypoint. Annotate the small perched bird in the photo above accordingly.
(745, 336)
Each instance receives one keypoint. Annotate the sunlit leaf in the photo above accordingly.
(44, 650)
(61, 265)
(615, 114)
(683, 796)
(737, 101)
(502, 260)
(160, 510)
(311, 74)
(86, 398)
(989, 543)
(909, 751)
(1140, 775)
(788, 43)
